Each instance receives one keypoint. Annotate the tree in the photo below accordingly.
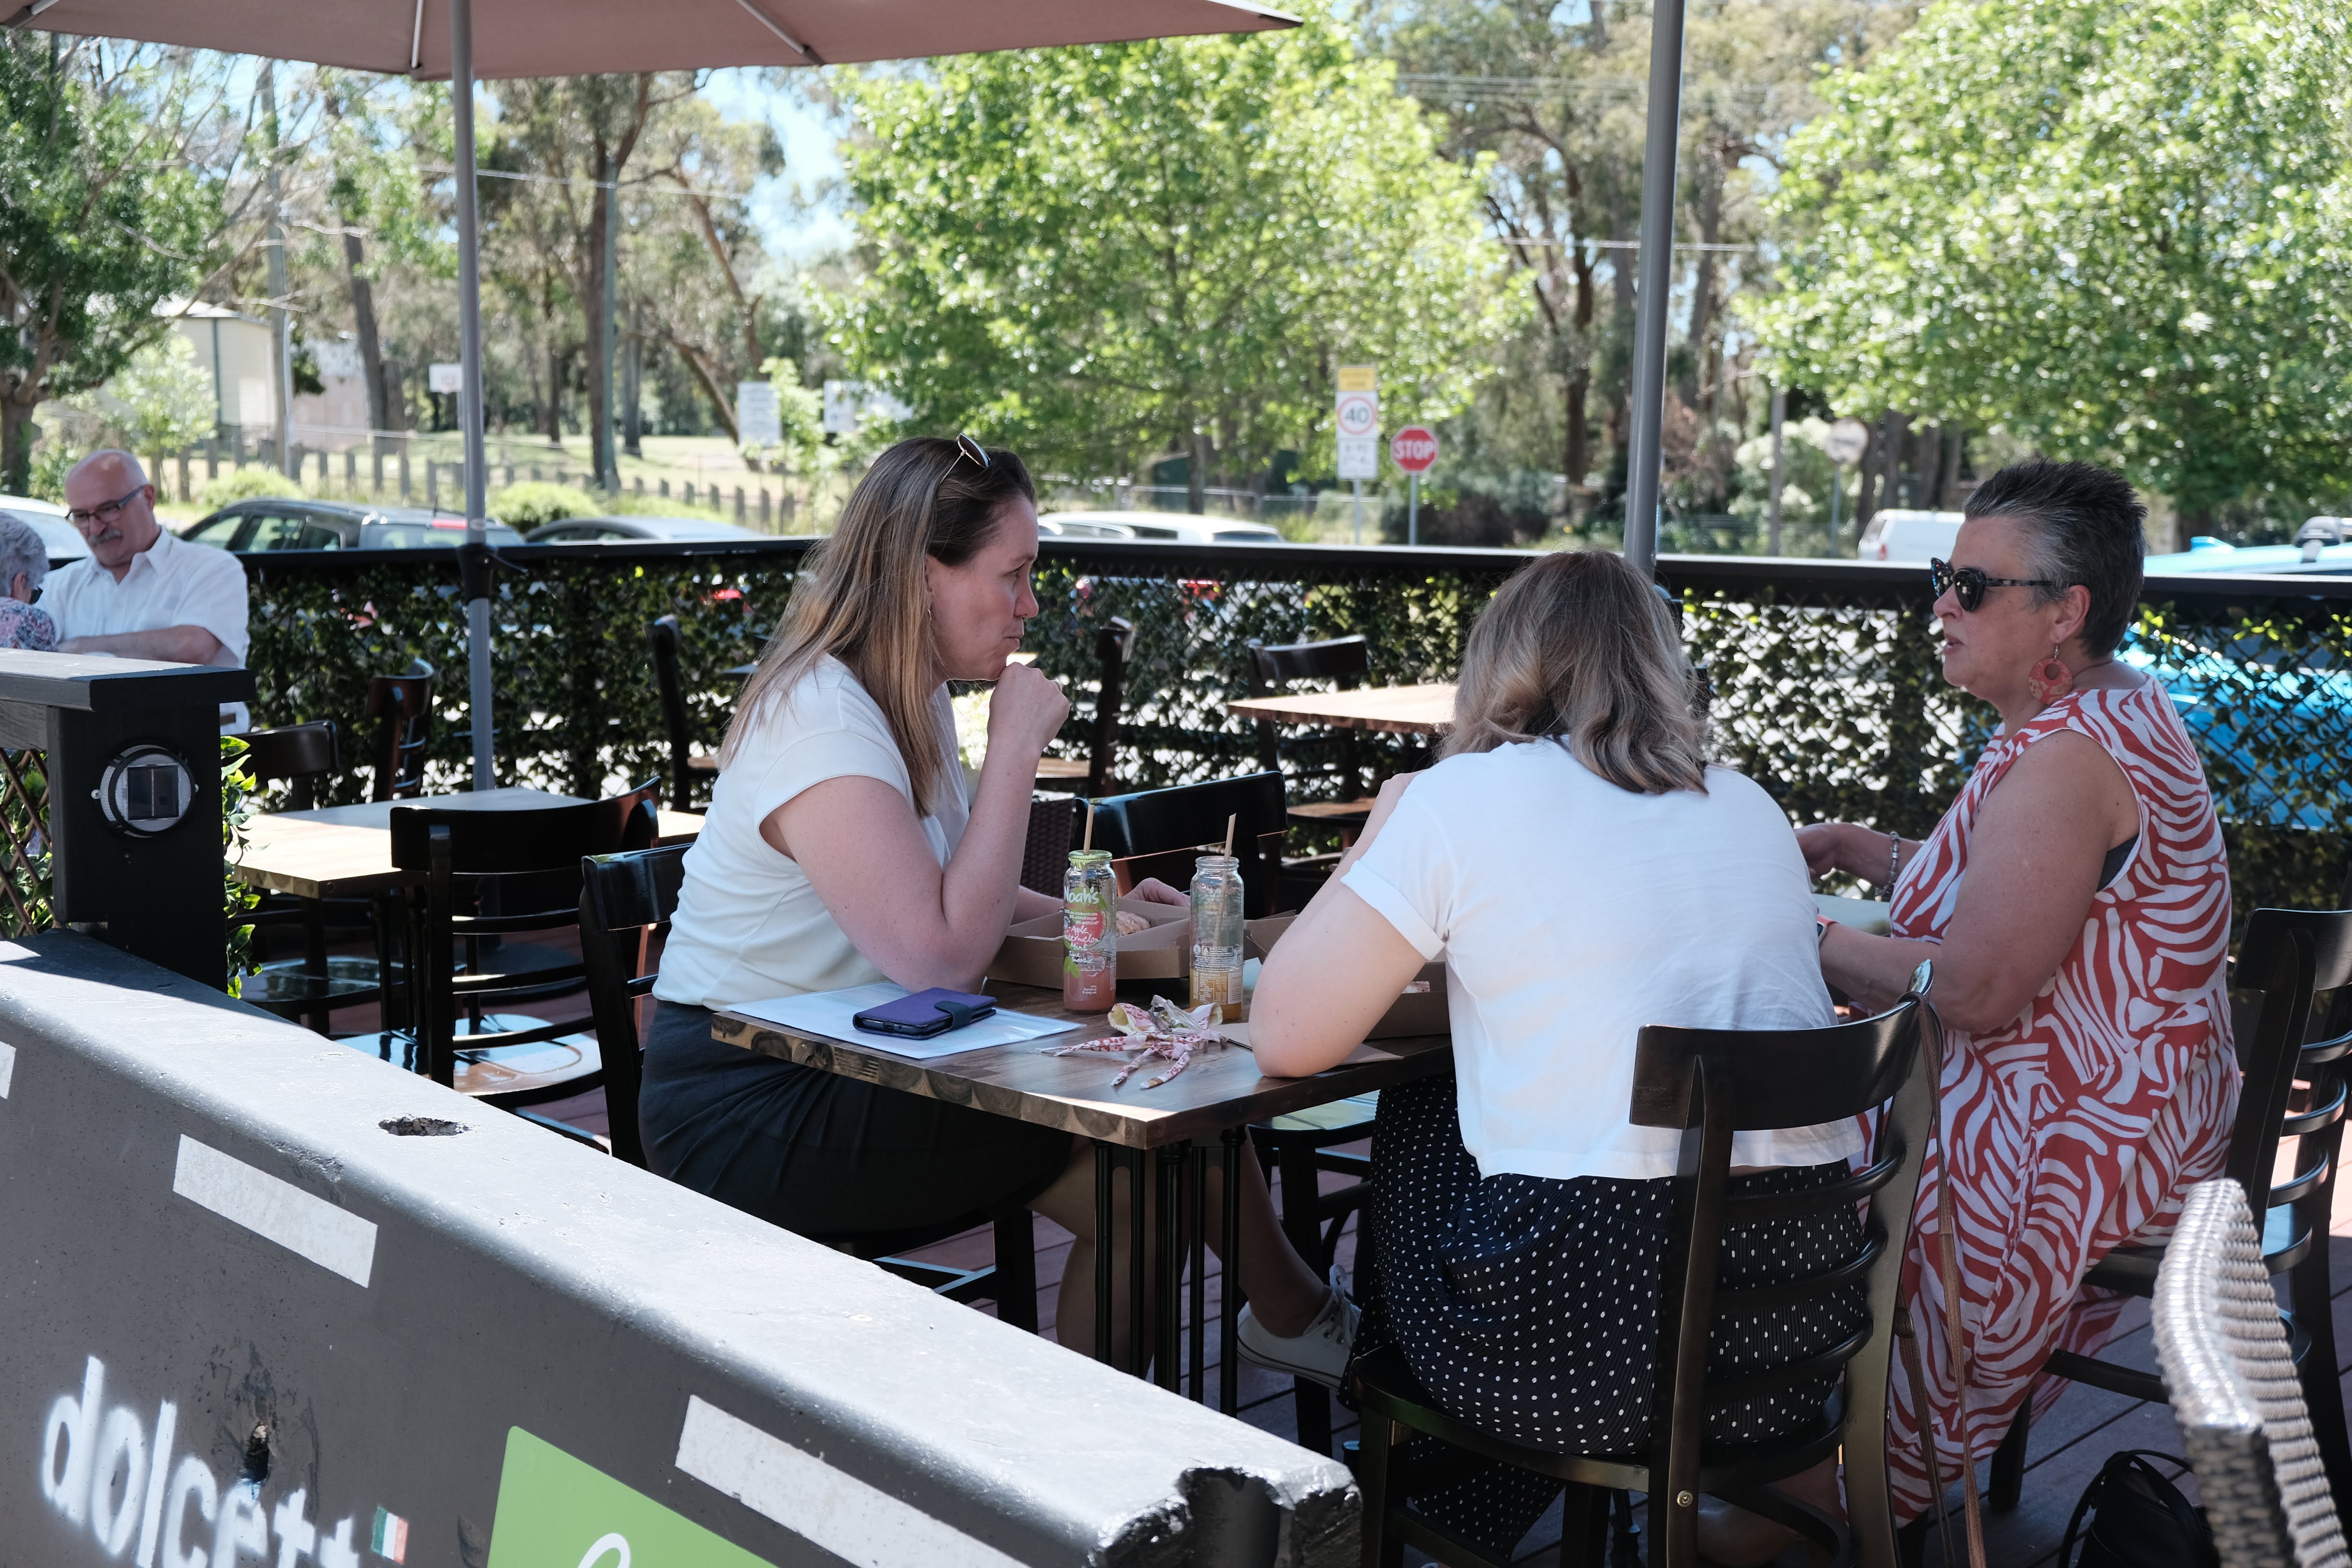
(1098, 254)
(2117, 231)
(94, 230)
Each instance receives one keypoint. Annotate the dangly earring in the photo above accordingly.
(2051, 680)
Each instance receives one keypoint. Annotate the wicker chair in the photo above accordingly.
(2235, 1389)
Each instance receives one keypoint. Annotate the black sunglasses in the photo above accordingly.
(968, 448)
(1968, 583)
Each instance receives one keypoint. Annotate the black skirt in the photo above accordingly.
(830, 1157)
(1529, 1307)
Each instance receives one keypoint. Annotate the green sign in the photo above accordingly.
(556, 1512)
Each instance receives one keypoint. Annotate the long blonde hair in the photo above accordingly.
(861, 596)
(1580, 648)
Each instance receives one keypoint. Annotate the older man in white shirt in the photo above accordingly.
(142, 593)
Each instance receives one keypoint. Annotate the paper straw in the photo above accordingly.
(1230, 823)
(1089, 843)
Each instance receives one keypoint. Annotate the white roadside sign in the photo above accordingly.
(1357, 416)
(758, 421)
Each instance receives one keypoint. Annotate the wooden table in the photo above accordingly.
(345, 851)
(1219, 1095)
(1396, 710)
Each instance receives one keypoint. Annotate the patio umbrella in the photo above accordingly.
(431, 39)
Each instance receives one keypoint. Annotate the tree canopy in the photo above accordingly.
(2118, 231)
(1099, 255)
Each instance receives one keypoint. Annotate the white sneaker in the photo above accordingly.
(1319, 1352)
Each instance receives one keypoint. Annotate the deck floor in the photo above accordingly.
(2085, 1427)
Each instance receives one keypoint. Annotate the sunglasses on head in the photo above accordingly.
(968, 448)
(1968, 583)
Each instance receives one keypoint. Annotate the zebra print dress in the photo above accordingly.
(2080, 1125)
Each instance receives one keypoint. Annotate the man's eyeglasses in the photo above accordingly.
(104, 513)
(968, 448)
(1968, 583)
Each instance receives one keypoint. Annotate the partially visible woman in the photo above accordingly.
(23, 563)
(2075, 901)
(1584, 872)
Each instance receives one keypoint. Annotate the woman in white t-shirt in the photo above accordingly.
(1583, 872)
(840, 849)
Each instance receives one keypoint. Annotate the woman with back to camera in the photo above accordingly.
(23, 563)
(1584, 872)
(2075, 901)
(840, 849)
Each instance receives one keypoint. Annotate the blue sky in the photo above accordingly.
(792, 222)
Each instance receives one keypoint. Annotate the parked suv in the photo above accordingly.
(275, 523)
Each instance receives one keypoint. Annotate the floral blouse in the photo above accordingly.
(25, 626)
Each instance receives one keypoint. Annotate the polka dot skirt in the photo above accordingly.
(1530, 1306)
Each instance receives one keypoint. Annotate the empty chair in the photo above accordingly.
(1345, 661)
(1091, 775)
(1712, 1084)
(297, 755)
(2290, 956)
(687, 764)
(1158, 833)
(2235, 1391)
(1054, 832)
(401, 706)
(311, 987)
(625, 904)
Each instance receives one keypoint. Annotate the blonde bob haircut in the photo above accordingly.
(863, 594)
(1580, 649)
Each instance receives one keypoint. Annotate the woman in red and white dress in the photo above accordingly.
(2075, 902)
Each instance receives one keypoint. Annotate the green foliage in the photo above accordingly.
(2119, 231)
(248, 482)
(1098, 255)
(236, 805)
(94, 231)
(534, 505)
(159, 402)
(24, 856)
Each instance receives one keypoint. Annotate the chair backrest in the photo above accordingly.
(1053, 834)
(1158, 831)
(662, 636)
(2291, 956)
(626, 903)
(1345, 661)
(403, 707)
(301, 754)
(1712, 1083)
(2231, 1380)
(1113, 646)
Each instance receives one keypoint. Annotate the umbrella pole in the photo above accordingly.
(474, 565)
(1656, 286)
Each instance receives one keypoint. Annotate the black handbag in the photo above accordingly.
(2132, 1516)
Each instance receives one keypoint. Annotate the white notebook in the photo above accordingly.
(828, 1014)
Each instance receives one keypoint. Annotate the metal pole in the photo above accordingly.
(1359, 508)
(1413, 510)
(469, 395)
(281, 347)
(1779, 413)
(1655, 284)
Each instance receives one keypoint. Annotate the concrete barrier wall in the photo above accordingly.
(246, 1323)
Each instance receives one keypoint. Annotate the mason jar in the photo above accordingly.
(1217, 934)
(1089, 932)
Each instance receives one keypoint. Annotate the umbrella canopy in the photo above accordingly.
(437, 39)
(587, 37)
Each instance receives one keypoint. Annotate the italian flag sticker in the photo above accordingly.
(391, 1536)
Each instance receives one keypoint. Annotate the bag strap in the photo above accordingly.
(2094, 1495)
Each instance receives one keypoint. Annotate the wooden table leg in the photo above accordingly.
(1198, 1220)
(1229, 1335)
(1138, 1341)
(1105, 1230)
(1169, 1355)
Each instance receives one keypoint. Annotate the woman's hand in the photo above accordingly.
(1153, 891)
(1822, 842)
(1025, 713)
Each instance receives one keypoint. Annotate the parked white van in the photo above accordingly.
(1181, 527)
(1895, 534)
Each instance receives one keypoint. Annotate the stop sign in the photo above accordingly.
(1414, 449)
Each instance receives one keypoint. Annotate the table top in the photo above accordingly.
(1398, 709)
(342, 851)
(1222, 1089)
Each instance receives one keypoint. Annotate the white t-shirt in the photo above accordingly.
(170, 583)
(750, 925)
(1572, 913)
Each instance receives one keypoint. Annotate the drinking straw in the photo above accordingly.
(1089, 843)
(1230, 822)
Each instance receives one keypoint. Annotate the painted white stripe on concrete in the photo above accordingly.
(8, 1067)
(328, 1237)
(854, 1521)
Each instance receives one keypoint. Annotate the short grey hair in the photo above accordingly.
(130, 461)
(22, 549)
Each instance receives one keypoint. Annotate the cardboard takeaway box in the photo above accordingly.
(1420, 1011)
(1032, 954)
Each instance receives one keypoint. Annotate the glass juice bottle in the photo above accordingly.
(1089, 932)
(1217, 934)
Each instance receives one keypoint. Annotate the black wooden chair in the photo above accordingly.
(2294, 1088)
(1159, 832)
(1054, 832)
(687, 765)
(308, 988)
(1710, 1084)
(1091, 775)
(1345, 662)
(625, 904)
(401, 707)
(491, 875)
